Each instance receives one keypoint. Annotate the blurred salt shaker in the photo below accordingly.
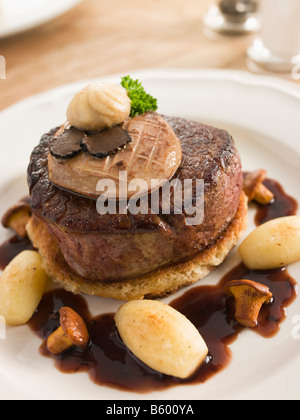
(279, 41)
(234, 17)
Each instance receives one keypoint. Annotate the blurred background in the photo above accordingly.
(47, 43)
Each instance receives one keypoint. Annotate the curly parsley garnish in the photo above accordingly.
(141, 101)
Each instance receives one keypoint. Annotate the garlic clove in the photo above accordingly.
(161, 337)
(274, 244)
(22, 285)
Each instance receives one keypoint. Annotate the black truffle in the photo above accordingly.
(67, 144)
(106, 142)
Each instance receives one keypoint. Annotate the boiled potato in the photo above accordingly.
(22, 285)
(161, 337)
(272, 245)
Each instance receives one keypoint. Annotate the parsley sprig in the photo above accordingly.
(141, 101)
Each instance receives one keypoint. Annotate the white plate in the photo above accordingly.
(263, 116)
(20, 15)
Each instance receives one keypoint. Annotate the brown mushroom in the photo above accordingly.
(255, 189)
(72, 332)
(250, 297)
(17, 217)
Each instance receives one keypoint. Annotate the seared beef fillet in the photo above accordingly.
(119, 247)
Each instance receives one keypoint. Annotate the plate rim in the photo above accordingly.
(240, 76)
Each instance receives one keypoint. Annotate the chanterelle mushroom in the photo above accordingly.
(72, 332)
(255, 189)
(17, 217)
(250, 297)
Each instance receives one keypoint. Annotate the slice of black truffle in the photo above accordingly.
(106, 142)
(67, 144)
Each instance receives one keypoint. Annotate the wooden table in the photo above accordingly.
(101, 37)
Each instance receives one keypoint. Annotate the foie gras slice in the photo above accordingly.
(154, 153)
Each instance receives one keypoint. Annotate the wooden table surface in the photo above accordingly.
(101, 37)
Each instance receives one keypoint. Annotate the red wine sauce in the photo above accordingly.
(109, 362)
(282, 205)
(11, 248)
(209, 308)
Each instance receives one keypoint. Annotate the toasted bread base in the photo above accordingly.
(158, 283)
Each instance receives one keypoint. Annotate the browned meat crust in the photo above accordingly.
(117, 247)
(158, 283)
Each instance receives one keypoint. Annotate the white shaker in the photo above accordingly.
(279, 39)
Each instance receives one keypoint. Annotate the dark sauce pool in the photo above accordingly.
(11, 248)
(108, 361)
(283, 204)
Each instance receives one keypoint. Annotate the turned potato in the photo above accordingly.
(161, 337)
(272, 245)
(22, 285)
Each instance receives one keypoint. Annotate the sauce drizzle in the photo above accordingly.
(11, 248)
(109, 362)
(282, 206)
